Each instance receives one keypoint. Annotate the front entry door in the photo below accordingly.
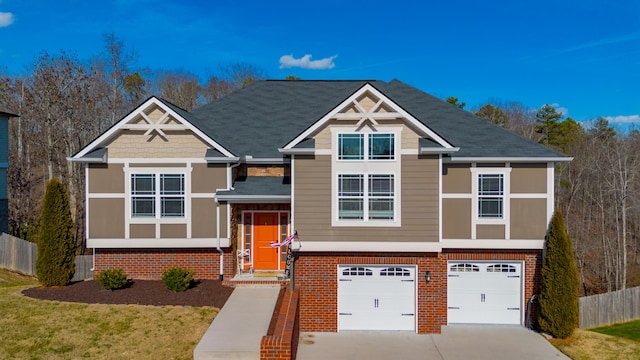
(266, 232)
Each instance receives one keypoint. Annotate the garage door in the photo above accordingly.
(376, 297)
(484, 293)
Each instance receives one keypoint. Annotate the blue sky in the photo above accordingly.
(582, 56)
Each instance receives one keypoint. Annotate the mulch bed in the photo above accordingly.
(140, 292)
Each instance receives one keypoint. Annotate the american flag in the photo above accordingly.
(286, 241)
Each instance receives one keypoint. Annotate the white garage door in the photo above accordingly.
(376, 297)
(484, 293)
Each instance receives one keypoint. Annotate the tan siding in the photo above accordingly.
(456, 218)
(529, 178)
(106, 179)
(206, 178)
(203, 222)
(528, 218)
(409, 138)
(106, 219)
(173, 231)
(456, 179)
(179, 144)
(490, 232)
(419, 183)
(142, 231)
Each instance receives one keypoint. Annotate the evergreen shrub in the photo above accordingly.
(177, 278)
(112, 279)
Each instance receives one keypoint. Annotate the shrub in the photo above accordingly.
(558, 300)
(55, 264)
(112, 279)
(177, 278)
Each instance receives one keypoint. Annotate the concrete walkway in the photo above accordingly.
(455, 343)
(237, 330)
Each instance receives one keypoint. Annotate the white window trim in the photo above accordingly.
(475, 219)
(186, 171)
(366, 167)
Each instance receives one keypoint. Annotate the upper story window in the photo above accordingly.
(366, 197)
(366, 146)
(157, 195)
(490, 196)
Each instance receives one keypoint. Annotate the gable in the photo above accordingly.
(154, 129)
(368, 109)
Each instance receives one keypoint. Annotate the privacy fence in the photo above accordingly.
(20, 255)
(610, 308)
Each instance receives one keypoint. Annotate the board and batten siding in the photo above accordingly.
(527, 203)
(106, 203)
(419, 203)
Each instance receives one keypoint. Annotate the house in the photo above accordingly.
(410, 213)
(5, 115)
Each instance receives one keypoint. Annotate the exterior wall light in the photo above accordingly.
(427, 275)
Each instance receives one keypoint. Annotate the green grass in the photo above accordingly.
(39, 329)
(629, 330)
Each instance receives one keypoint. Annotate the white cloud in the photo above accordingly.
(621, 119)
(305, 62)
(6, 19)
(561, 110)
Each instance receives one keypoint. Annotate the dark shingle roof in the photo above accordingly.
(266, 115)
(256, 187)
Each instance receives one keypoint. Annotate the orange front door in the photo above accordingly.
(265, 232)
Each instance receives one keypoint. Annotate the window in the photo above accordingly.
(370, 200)
(157, 195)
(377, 147)
(490, 196)
(357, 271)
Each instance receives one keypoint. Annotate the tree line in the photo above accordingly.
(65, 102)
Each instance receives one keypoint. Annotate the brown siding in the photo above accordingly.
(173, 231)
(528, 218)
(206, 178)
(419, 212)
(456, 218)
(529, 178)
(142, 231)
(490, 232)
(106, 179)
(106, 219)
(456, 179)
(203, 222)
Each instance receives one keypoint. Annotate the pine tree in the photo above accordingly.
(55, 264)
(558, 300)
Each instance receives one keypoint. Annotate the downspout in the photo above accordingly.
(218, 248)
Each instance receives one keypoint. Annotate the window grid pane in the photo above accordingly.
(490, 195)
(381, 193)
(381, 146)
(351, 146)
(350, 197)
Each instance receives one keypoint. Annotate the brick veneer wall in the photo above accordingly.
(283, 344)
(148, 264)
(532, 269)
(316, 277)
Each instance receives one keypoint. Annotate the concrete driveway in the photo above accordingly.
(455, 342)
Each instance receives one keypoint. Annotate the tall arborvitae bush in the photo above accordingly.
(55, 264)
(558, 300)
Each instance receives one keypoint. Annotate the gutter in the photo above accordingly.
(438, 150)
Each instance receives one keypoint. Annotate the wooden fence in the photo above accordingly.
(609, 308)
(20, 255)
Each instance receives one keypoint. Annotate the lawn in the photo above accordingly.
(616, 342)
(39, 329)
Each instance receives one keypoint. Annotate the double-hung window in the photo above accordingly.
(366, 197)
(157, 195)
(490, 196)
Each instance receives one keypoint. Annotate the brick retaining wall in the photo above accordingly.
(283, 344)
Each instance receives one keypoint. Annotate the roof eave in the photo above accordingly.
(221, 159)
(430, 150)
(254, 199)
(297, 151)
(526, 159)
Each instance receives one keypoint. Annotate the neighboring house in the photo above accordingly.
(411, 213)
(5, 115)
